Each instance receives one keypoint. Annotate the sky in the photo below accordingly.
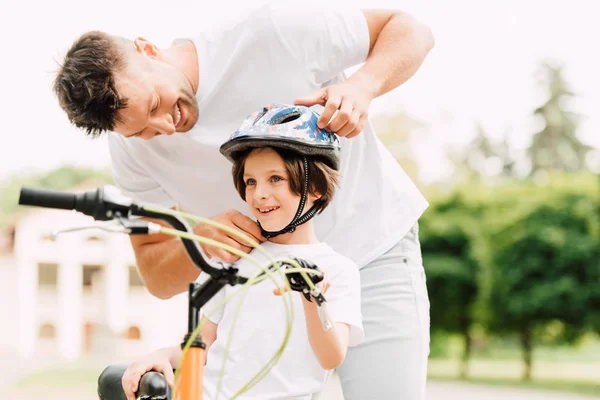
(481, 70)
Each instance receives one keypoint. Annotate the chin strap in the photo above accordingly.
(298, 219)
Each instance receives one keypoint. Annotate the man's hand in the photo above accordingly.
(236, 220)
(351, 100)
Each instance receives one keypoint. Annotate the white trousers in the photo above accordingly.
(391, 363)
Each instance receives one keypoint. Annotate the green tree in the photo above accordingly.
(483, 158)
(395, 132)
(448, 232)
(556, 146)
(545, 253)
(65, 177)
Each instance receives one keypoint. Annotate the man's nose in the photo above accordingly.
(163, 124)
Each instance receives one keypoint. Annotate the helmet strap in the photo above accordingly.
(299, 219)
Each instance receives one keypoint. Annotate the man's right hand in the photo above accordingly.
(235, 220)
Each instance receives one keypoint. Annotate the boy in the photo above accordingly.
(285, 169)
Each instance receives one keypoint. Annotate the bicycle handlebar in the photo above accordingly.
(102, 204)
(106, 203)
(47, 198)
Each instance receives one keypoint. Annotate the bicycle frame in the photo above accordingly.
(105, 204)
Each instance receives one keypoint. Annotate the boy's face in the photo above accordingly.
(268, 191)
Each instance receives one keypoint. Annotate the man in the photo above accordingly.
(190, 97)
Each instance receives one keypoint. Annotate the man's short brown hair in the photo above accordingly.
(85, 83)
(322, 179)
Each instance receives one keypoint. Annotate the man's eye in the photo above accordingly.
(156, 105)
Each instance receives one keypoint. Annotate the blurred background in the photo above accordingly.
(499, 128)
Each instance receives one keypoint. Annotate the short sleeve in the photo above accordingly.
(212, 309)
(130, 177)
(324, 38)
(343, 299)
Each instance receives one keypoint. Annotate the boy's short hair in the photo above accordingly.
(322, 178)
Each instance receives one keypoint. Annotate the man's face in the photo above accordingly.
(161, 100)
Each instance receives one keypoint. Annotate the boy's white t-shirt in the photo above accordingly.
(274, 54)
(260, 329)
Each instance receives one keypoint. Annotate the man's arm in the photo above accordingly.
(164, 264)
(398, 45)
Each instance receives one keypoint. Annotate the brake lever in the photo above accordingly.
(139, 227)
(121, 225)
(54, 234)
(324, 315)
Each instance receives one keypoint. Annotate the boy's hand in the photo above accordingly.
(156, 361)
(323, 285)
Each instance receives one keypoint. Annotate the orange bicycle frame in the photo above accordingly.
(189, 385)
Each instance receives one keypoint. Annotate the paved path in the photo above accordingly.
(462, 391)
(465, 391)
(435, 391)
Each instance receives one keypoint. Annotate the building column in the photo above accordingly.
(117, 284)
(27, 287)
(70, 298)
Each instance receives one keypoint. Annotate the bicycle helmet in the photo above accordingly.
(289, 127)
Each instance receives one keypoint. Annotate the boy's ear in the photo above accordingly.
(315, 196)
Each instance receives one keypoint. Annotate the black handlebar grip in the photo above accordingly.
(46, 198)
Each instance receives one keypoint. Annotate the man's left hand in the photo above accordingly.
(351, 101)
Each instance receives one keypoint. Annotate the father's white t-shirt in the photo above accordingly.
(274, 55)
(261, 325)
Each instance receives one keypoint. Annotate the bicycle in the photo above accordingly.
(125, 216)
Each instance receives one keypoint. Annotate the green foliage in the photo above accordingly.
(556, 146)
(446, 231)
(546, 257)
(63, 178)
(395, 132)
(518, 258)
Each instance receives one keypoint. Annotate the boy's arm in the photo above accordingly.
(209, 332)
(173, 354)
(329, 347)
(344, 305)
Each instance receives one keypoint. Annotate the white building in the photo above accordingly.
(80, 295)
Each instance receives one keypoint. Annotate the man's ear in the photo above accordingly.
(146, 48)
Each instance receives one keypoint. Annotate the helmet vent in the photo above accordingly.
(260, 115)
(286, 118)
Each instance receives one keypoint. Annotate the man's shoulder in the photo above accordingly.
(250, 16)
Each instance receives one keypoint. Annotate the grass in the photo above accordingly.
(580, 374)
(558, 368)
(75, 377)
